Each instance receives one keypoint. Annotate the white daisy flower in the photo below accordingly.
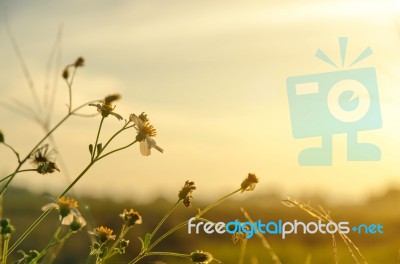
(67, 208)
(145, 133)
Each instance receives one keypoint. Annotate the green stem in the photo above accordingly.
(28, 231)
(97, 139)
(77, 178)
(139, 257)
(242, 253)
(164, 218)
(69, 84)
(197, 217)
(169, 232)
(115, 150)
(208, 208)
(89, 258)
(44, 214)
(6, 241)
(94, 253)
(113, 136)
(111, 251)
(41, 141)
(11, 175)
(54, 240)
(49, 259)
(173, 254)
(13, 150)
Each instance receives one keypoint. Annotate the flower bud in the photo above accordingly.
(79, 62)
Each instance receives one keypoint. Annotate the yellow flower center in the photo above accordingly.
(149, 130)
(107, 106)
(104, 234)
(67, 202)
(104, 231)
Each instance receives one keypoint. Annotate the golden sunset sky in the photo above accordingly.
(211, 75)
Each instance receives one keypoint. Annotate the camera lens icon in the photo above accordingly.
(341, 102)
(348, 101)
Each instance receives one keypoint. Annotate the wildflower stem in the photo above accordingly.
(264, 242)
(77, 178)
(169, 232)
(91, 254)
(54, 240)
(242, 253)
(44, 214)
(41, 141)
(208, 208)
(113, 136)
(115, 150)
(179, 226)
(164, 218)
(13, 150)
(12, 174)
(172, 254)
(97, 140)
(28, 231)
(135, 260)
(6, 241)
(69, 84)
(112, 252)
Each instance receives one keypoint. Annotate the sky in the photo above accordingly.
(211, 75)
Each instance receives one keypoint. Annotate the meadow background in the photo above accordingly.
(211, 76)
(265, 206)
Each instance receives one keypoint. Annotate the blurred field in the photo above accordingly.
(22, 207)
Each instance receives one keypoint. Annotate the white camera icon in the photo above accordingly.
(325, 104)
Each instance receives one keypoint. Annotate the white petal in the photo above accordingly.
(135, 119)
(50, 206)
(152, 144)
(82, 220)
(144, 148)
(116, 115)
(68, 219)
(95, 233)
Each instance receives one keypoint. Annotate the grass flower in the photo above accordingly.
(238, 238)
(65, 73)
(131, 217)
(201, 257)
(41, 158)
(249, 183)
(123, 245)
(47, 167)
(27, 258)
(5, 227)
(145, 134)
(80, 62)
(185, 193)
(67, 208)
(106, 108)
(77, 223)
(103, 234)
(41, 155)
